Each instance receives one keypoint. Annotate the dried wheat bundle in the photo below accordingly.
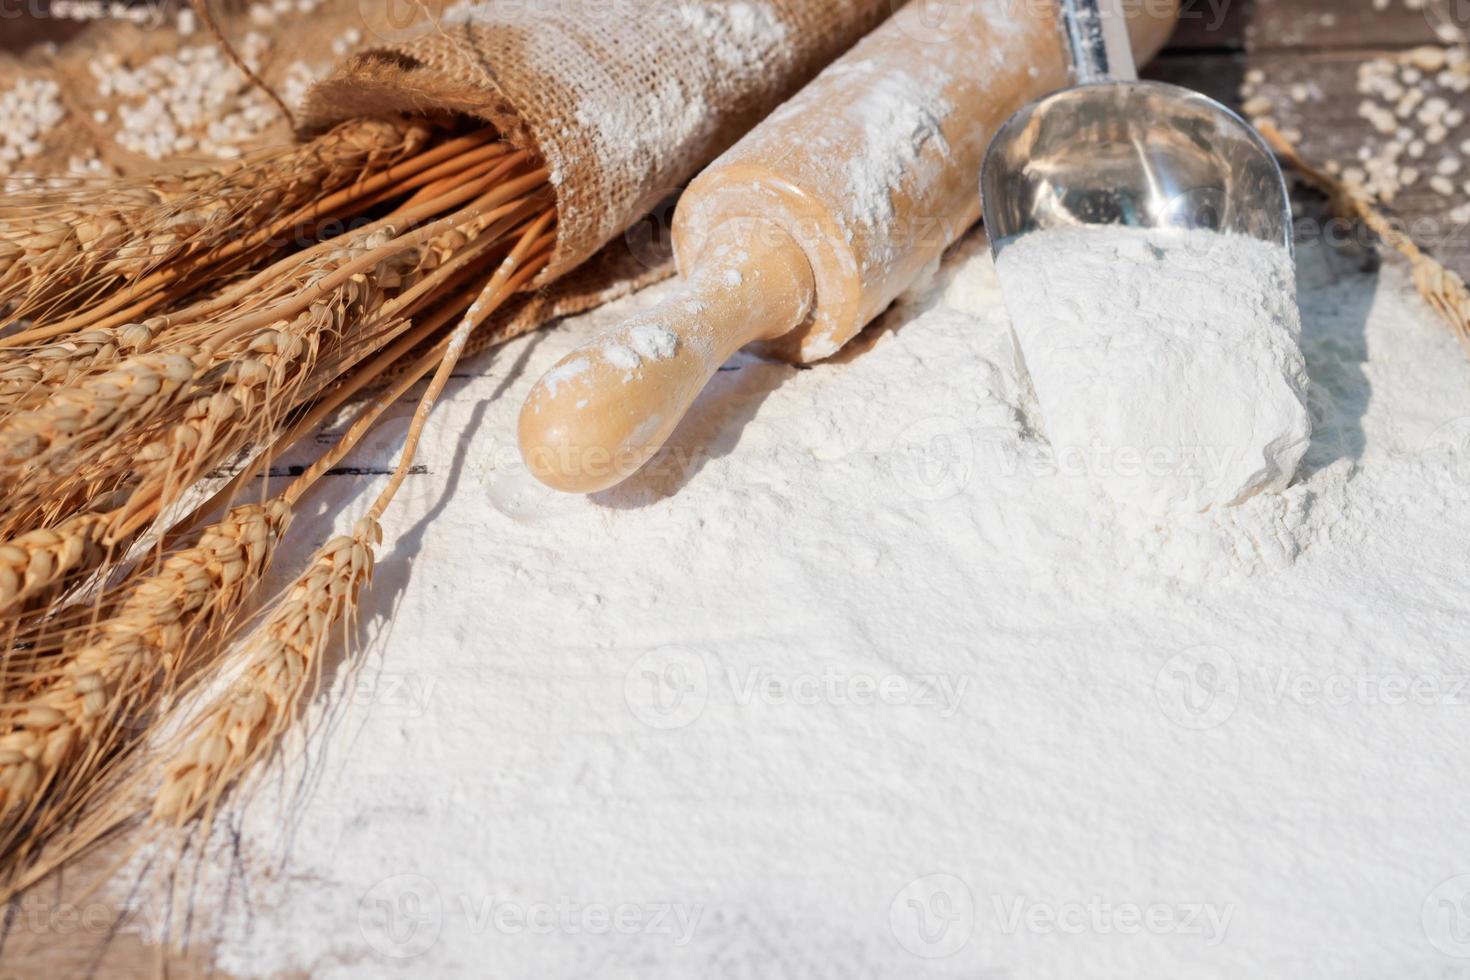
(219, 373)
(103, 249)
(260, 321)
(90, 694)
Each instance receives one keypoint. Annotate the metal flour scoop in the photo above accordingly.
(1113, 150)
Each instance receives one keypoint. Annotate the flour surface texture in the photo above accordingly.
(851, 681)
(1167, 364)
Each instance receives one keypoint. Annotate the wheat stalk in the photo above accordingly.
(38, 373)
(90, 704)
(27, 383)
(217, 420)
(38, 568)
(286, 659)
(304, 279)
(225, 422)
(248, 241)
(62, 257)
(35, 564)
(163, 420)
(163, 337)
(129, 395)
(290, 650)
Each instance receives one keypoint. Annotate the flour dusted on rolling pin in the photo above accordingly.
(1167, 364)
(809, 227)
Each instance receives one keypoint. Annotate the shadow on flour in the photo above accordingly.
(1337, 288)
(373, 629)
(711, 430)
(394, 569)
(714, 425)
(372, 632)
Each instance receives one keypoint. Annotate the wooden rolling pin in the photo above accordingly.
(810, 227)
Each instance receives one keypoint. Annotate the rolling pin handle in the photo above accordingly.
(605, 409)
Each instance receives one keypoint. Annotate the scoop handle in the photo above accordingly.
(1096, 32)
(604, 410)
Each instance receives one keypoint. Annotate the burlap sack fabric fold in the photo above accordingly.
(624, 100)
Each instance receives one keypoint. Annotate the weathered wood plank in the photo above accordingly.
(1211, 25)
(1313, 25)
(1328, 24)
(1217, 75)
(1331, 128)
(22, 31)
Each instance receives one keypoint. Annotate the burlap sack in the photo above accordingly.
(624, 100)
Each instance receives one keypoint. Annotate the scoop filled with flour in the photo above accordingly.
(1166, 363)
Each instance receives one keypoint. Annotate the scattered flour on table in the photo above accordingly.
(852, 649)
(1167, 363)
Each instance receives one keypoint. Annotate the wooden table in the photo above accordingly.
(56, 931)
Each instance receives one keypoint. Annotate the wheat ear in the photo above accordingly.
(281, 368)
(285, 661)
(28, 382)
(154, 625)
(108, 429)
(88, 708)
(133, 395)
(35, 564)
(109, 677)
(68, 263)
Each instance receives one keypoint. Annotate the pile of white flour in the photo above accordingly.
(1166, 363)
(856, 681)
